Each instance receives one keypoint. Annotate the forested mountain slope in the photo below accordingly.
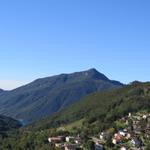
(45, 96)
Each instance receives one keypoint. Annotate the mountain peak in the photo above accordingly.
(96, 74)
(46, 96)
(93, 69)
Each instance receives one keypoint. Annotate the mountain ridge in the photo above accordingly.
(46, 96)
(1, 90)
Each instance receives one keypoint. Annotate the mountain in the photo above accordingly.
(8, 124)
(100, 109)
(1, 91)
(46, 96)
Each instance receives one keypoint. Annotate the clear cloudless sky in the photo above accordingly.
(40, 38)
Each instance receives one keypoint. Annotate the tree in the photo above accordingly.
(90, 145)
(147, 146)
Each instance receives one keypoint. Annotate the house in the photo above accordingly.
(125, 130)
(59, 145)
(123, 148)
(104, 136)
(136, 142)
(78, 140)
(127, 122)
(144, 116)
(147, 131)
(128, 136)
(57, 139)
(117, 138)
(148, 118)
(148, 126)
(70, 146)
(123, 133)
(70, 139)
(114, 141)
(98, 146)
(135, 122)
(138, 130)
(129, 115)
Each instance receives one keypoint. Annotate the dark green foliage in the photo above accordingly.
(7, 125)
(147, 146)
(45, 96)
(28, 140)
(90, 145)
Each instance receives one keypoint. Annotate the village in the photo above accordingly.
(132, 133)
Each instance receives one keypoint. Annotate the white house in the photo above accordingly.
(104, 136)
(56, 139)
(78, 141)
(129, 115)
(114, 141)
(128, 136)
(144, 116)
(70, 138)
(123, 148)
(122, 133)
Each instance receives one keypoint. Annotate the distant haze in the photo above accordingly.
(11, 84)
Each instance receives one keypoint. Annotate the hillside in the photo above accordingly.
(8, 124)
(102, 108)
(46, 96)
(94, 113)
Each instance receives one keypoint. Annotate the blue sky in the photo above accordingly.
(41, 38)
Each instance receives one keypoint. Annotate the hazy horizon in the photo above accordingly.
(13, 84)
